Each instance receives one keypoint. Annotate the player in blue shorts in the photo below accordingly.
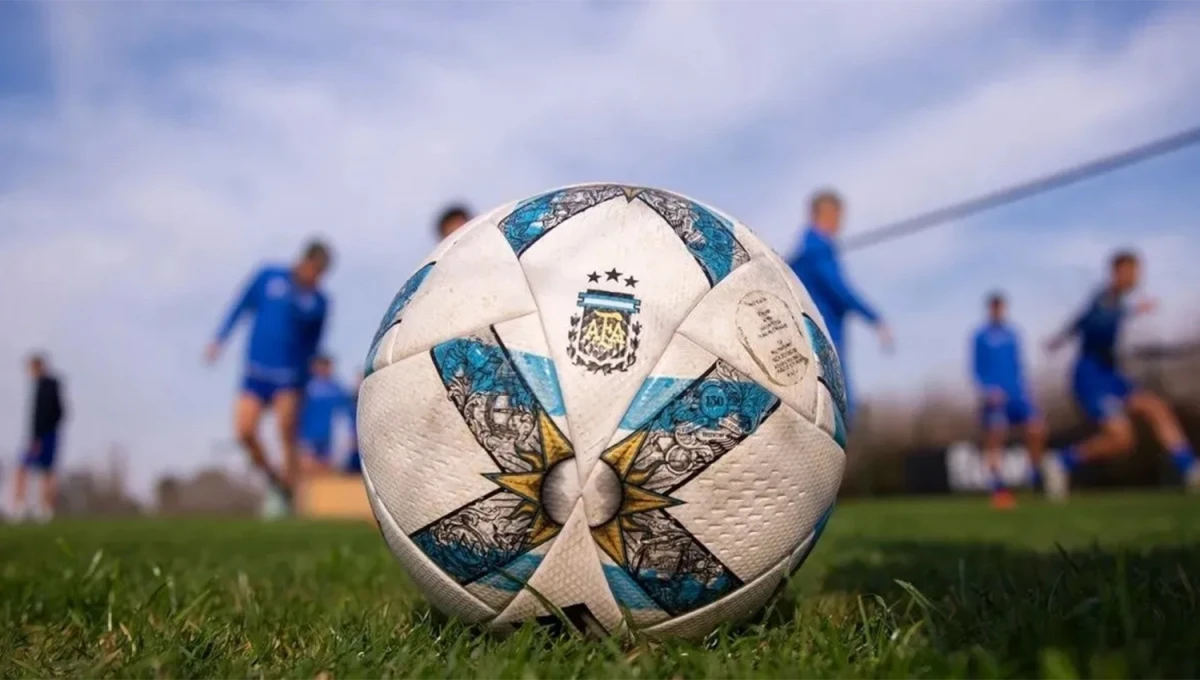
(1107, 396)
(42, 450)
(324, 400)
(816, 265)
(1005, 403)
(289, 313)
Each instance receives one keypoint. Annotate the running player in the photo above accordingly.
(817, 267)
(324, 400)
(1107, 396)
(452, 219)
(289, 316)
(996, 362)
(48, 415)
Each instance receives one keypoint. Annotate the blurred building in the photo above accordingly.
(212, 491)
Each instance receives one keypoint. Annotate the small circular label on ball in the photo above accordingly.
(769, 332)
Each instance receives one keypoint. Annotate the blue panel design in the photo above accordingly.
(672, 567)
(820, 528)
(505, 416)
(534, 218)
(654, 393)
(839, 429)
(831, 368)
(706, 234)
(392, 316)
(519, 569)
(704, 422)
(627, 593)
(542, 377)
(479, 538)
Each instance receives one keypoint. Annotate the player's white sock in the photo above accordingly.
(1056, 478)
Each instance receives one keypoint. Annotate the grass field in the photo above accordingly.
(1107, 586)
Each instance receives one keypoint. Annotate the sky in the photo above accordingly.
(152, 154)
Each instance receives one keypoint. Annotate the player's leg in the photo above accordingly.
(993, 456)
(247, 412)
(287, 404)
(1101, 397)
(47, 454)
(21, 489)
(1170, 435)
(316, 457)
(49, 489)
(1023, 414)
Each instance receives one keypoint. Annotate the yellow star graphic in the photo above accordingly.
(634, 499)
(528, 485)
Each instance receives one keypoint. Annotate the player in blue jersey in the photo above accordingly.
(324, 400)
(41, 454)
(996, 365)
(816, 265)
(289, 313)
(1107, 396)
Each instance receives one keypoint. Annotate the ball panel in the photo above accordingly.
(525, 341)
(423, 458)
(611, 283)
(711, 416)
(752, 506)
(442, 592)
(475, 283)
(752, 321)
(740, 605)
(798, 290)
(570, 577)
(498, 588)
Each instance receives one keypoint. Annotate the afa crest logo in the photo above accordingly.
(604, 335)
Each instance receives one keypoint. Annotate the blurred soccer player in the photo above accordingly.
(324, 400)
(48, 415)
(817, 267)
(996, 362)
(289, 316)
(1107, 396)
(452, 219)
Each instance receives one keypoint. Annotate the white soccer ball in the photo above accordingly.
(613, 400)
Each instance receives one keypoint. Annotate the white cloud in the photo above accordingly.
(182, 144)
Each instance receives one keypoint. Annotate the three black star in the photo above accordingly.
(612, 274)
(593, 278)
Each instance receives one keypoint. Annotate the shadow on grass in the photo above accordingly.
(1123, 612)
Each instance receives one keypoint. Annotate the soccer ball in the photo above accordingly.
(606, 404)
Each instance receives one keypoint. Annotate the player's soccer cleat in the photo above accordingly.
(277, 503)
(1003, 500)
(1191, 479)
(1056, 479)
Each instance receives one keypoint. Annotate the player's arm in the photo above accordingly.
(829, 278)
(311, 340)
(1064, 336)
(980, 366)
(245, 303)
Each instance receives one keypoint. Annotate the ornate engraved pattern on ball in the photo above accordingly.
(392, 316)
(511, 424)
(707, 235)
(698, 426)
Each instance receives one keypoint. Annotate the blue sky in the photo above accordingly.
(151, 154)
